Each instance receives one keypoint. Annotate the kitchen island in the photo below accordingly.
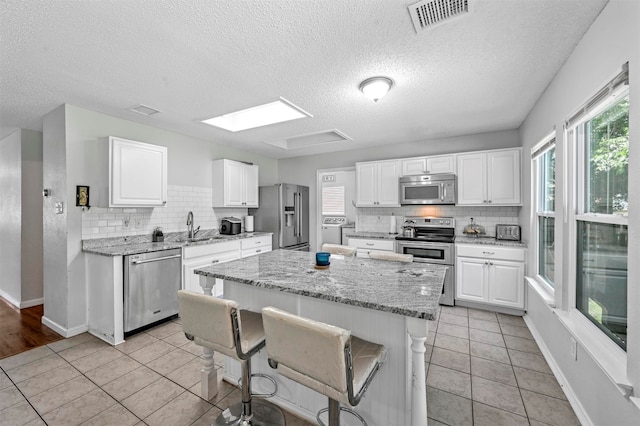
(389, 303)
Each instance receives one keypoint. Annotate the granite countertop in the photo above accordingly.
(488, 240)
(136, 244)
(409, 289)
(371, 235)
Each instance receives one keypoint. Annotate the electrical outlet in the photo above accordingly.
(125, 222)
(138, 223)
(574, 349)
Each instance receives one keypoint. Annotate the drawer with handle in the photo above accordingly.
(490, 252)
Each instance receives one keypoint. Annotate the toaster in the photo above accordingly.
(230, 225)
(508, 232)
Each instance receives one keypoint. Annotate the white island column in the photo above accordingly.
(418, 329)
(208, 374)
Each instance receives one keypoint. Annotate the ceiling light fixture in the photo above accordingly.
(375, 88)
(261, 115)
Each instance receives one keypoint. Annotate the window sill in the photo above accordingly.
(611, 359)
(543, 291)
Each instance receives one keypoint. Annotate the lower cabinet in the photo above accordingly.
(253, 246)
(490, 274)
(365, 245)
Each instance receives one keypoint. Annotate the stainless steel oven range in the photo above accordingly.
(433, 243)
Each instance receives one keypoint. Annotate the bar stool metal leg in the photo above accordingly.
(251, 412)
(334, 410)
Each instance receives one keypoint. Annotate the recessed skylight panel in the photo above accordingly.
(261, 115)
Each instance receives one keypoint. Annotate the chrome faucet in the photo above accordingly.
(191, 233)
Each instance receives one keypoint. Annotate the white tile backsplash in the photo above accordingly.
(379, 219)
(117, 222)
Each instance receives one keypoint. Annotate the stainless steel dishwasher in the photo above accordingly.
(151, 284)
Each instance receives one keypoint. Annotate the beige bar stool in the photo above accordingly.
(323, 357)
(218, 324)
(346, 251)
(387, 255)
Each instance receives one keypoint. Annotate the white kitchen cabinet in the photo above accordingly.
(429, 165)
(489, 178)
(235, 184)
(365, 245)
(200, 256)
(377, 183)
(257, 245)
(491, 275)
(137, 174)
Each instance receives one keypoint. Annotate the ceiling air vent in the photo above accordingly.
(144, 110)
(429, 14)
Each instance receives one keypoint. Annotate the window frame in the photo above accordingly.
(537, 152)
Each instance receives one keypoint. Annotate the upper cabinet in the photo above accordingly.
(137, 174)
(377, 183)
(429, 165)
(489, 178)
(235, 184)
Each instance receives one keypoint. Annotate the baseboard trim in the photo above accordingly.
(568, 390)
(31, 303)
(64, 332)
(9, 299)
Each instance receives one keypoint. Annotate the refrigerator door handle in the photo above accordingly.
(299, 215)
(295, 213)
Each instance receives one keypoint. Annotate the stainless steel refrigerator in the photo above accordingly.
(284, 210)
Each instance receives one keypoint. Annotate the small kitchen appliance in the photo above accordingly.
(230, 226)
(428, 189)
(508, 232)
(157, 236)
(432, 242)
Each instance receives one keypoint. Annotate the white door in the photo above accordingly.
(503, 177)
(471, 279)
(506, 283)
(366, 184)
(251, 185)
(388, 177)
(138, 174)
(472, 177)
(441, 164)
(234, 189)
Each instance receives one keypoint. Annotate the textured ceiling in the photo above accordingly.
(192, 59)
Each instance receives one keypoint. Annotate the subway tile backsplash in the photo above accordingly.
(379, 219)
(118, 222)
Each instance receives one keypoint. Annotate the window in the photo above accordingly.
(601, 223)
(545, 184)
(333, 201)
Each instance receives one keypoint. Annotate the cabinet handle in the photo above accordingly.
(259, 251)
(484, 201)
(490, 263)
(257, 242)
(164, 202)
(488, 252)
(215, 261)
(489, 201)
(370, 244)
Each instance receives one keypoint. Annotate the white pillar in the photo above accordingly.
(418, 329)
(208, 374)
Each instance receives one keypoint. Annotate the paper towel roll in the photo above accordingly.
(392, 228)
(248, 224)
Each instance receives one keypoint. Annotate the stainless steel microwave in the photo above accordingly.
(428, 189)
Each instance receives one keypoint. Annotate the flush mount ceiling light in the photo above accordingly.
(375, 88)
(261, 115)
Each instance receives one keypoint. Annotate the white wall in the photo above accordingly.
(21, 218)
(73, 155)
(302, 170)
(613, 39)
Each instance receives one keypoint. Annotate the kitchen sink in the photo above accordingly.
(200, 239)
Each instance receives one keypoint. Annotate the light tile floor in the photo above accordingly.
(485, 369)
(153, 378)
(482, 369)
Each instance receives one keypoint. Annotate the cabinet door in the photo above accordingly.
(441, 164)
(137, 174)
(414, 166)
(506, 283)
(366, 174)
(387, 183)
(503, 177)
(251, 186)
(472, 178)
(234, 188)
(471, 281)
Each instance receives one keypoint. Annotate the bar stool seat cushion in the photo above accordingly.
(312, 353)
(210, 324)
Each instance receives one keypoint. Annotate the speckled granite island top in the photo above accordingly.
(409, 289)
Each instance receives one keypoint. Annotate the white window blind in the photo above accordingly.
(333, 200)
